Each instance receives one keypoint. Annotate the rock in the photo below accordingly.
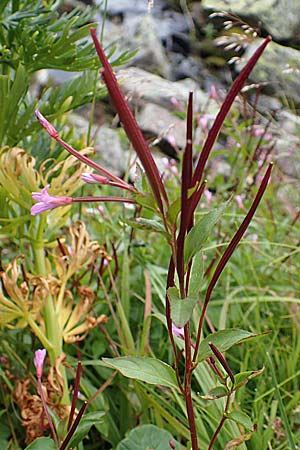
(124, 7)
(278, 66)
(109, 151)
(145, 87)
(157, 122)
(280, 18)
(151, 55)
(139, 34)
(107, 144)
(174, 31)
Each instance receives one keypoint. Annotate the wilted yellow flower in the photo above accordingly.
(21, 296)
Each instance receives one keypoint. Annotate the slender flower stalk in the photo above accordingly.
(39, 363)
(46, 202)
(51, 130)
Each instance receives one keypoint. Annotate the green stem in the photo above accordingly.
(37, 331)
(53, 338)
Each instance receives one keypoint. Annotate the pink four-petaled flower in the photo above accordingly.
(46, 201)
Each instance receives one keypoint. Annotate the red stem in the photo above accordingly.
(45, 407)
(75, 394)
(228, 252)
(235, 89)
(186, 179)
(130, 125)
(220, 426)
(74, 426)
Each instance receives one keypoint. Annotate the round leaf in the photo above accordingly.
(148, 437)
(42, 443)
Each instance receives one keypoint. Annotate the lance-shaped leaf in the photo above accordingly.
(186, 178)
(241, 418)
(146, 224)
(196, 277)
(242, 378)
(149, 370)
(181, 308)
(87, 421)
(216, 392)
(200, 232)
(224, 340)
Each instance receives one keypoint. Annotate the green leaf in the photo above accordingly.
(196, 275)
(181, 308)
(173, 211)
(85, 424)
(200, 232)
(149, 370)
(148, 437)
(223, 340)
(241, 418)
(146, 224)
(42, 443)
(240, 379)
(216, 392)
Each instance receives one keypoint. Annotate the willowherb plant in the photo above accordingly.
(185, 236)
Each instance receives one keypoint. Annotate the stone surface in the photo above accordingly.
(279, 66)
(158, 122)
(140, 34)
(144, 87)
(107, 144)
(280, 18)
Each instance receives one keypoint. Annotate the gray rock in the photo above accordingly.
(279, 66)
(115, 8)
(146, 87)
(139, 33)
(280, 18)
(109, 151)
(107, 144)
(151, 55)
(157, 122)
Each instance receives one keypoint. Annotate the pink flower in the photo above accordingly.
(39, 362)
(46, 201)
(174, 101)
(213, 92)
(239, 201)
(47, 125)
(178, 331)
(100, 179)
(208, 196)
(94, 178)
